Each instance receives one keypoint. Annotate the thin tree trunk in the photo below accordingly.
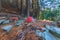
(28, 7)
(17, 5)
(40, 10)
(33, 6)
(39, 16)
(0, 6)
(21, 7)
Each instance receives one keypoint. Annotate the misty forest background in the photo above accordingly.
(40, 9)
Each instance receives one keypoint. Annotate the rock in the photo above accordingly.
(7, 28)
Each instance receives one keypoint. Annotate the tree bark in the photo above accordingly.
(0, 6)
(39, 16)
(28, 7)
(22, 7)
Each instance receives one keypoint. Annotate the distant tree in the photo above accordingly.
(22, 7)
(56, 13)
(28, 7)
(0, 6)
(34, 7)
(39, 14)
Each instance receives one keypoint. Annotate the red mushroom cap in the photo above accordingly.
(15, 18)
(29, 19)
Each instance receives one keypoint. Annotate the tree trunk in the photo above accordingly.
(28, 7)
(0, 6)
(39, 16)
(22, 7)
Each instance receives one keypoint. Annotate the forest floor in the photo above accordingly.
(12, 35)
(28, 30)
